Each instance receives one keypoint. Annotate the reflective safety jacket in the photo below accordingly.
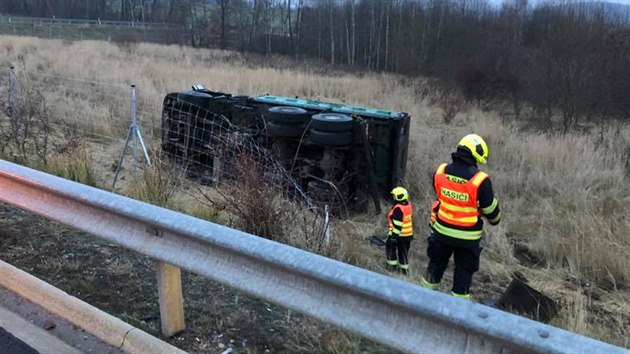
(400, 220)
(458, 214)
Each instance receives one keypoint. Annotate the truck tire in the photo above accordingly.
(330, 138)
(285, 130)
(288, 115)
(331, 122)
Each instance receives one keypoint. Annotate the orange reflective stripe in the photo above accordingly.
(407, 228)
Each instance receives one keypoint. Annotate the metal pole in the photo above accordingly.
(134, 128)
(327, 234)
(122, 157)
(13, 93)
(144, 148)
(134, 135)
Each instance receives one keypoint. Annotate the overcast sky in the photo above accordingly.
(626, 2)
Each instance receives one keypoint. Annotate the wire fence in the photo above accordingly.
(203, 157)
(92, 107)
(68, 21)
(76, 29)
(212, 147)
(204, 146)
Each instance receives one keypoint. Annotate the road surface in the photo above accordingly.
(27, 328)
(11, 345)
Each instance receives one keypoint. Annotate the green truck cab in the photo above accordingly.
(331, 154)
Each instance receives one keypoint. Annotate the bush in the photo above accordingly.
(25, 136)
(260, 207)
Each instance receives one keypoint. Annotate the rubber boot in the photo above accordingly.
(425, 283)
(461, 296)
(403, 269)
(391, 265)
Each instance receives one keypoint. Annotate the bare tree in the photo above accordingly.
(224, 6)
(331, 4)
(554, 57)
(298, 27)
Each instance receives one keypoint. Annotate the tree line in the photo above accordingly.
(562, 58)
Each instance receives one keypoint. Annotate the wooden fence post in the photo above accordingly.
(171, 301)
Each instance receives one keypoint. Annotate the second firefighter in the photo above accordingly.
(400, 231)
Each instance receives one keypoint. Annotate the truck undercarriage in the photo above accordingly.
(328, 154)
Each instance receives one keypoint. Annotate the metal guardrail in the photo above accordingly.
(393, 312)
(67, 21)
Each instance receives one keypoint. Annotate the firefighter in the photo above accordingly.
(464, 194)
(400, 231)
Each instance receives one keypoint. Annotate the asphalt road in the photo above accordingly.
(22, 321)
(11, 345)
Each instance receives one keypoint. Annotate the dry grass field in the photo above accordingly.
(565, 198)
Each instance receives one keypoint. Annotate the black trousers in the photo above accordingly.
(466, 257)
(398, 250)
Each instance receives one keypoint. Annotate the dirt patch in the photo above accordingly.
(123, 284)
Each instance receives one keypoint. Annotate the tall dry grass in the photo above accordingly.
(564, 198)
(75, 164)
(157, 184)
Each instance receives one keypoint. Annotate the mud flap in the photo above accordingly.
(523, 299)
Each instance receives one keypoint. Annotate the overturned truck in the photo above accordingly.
(329, 153)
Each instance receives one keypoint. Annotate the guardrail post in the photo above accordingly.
(171, 301)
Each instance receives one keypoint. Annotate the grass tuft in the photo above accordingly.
(157, 183)
(75, 164)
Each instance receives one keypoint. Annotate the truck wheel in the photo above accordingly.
(285, 130)
(288, 115)
(330, 138)
(331, 122)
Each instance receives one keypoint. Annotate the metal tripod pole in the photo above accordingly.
(13, 93)
(133, 128)
(133, 133)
